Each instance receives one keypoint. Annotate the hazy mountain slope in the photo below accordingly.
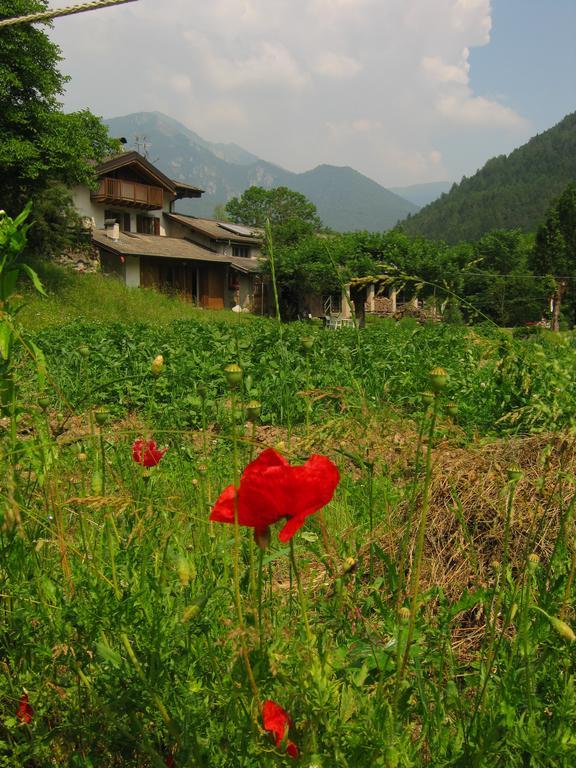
(422, 194)
(509, 192)
(345, 199)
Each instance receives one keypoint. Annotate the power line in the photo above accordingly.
(56, 12)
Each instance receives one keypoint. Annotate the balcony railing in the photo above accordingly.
(129, 193)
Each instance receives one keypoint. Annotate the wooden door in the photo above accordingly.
(149, 273)
(212, 287)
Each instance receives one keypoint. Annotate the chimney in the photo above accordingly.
(112, 229)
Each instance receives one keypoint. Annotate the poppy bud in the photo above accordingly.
(195, 404)
(307, 342)
(253, 410)
(97, 483)
(233, 374)
(513, 611)
(438, 379)
(563, 629)
(404, 615)
(157, 365)
(427, 398)
(185, 571)
(514, 473)
(194, 610)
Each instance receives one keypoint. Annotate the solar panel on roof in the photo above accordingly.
(237, 229)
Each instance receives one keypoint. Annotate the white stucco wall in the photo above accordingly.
(85, 206)
(132, 271)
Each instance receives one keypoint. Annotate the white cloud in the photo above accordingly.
(478, 111)
(437, 70)
(381, 85)
(334, 65)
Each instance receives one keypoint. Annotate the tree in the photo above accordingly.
(292, 216)
(41, 146)
(555, 248)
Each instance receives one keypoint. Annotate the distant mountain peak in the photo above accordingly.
(345, 198)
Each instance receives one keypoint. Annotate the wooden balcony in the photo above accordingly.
(128, 193)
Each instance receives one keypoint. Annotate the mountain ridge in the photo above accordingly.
(346, 199)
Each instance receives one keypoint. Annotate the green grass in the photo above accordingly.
(98, 298)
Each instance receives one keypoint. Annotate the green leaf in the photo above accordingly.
(5, 339)
(34, 278)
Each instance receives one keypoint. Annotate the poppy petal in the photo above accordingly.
(223, 509)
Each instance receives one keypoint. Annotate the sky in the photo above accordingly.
(404, 91)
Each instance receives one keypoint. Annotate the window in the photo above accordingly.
(241, 250)
(147, 225)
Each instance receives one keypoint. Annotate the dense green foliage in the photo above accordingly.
(489, 279)
(503, 384)
(555, 249)
(42, 148)
(509, 192)
(291, 216)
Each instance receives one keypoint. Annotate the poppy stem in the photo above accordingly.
(236, 559)
(302, 598)
(419, 552)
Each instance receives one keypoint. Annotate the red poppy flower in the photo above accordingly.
(24, 712)
(278, 721)
(146, 453)
(270, 490)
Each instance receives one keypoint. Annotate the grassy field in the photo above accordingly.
(420, 615)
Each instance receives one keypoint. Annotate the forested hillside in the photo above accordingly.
(509, 192)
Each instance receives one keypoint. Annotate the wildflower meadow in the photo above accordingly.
(242, 544)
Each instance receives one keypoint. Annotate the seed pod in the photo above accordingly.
(427, 398)
(253, 409)
(44, 402)
(101, 416)
(514, 473)
(84, 350)
(452, 409)
(307, 342)
(533, 562)
(438, 379)
(233, 374)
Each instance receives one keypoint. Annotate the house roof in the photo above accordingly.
(130, 244)
(218, 230)
(178, 188)
(186, 190)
